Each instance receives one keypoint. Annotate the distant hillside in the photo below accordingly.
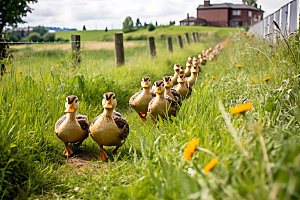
(160, 32)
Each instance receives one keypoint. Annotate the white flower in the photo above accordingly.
(191, 171)
(76, 189)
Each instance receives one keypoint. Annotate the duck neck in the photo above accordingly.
(108, 112)
(146, 90)
(176, 74)
(194, 75)
(160, 96)
(71, 116)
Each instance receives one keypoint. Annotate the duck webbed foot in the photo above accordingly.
(68, 151)
(143, 116)
(103, 154)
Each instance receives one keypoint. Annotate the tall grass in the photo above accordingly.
(150, 165)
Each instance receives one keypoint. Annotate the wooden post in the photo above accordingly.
(193, 37)
(198, 38)
(75, 42)
(152, 47)
(169, 44)
(187, 39)
(179, 40)
(119, 50)
(3, 53)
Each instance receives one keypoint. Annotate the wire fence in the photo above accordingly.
(287, 17)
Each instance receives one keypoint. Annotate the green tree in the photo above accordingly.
(128, 25)
(11, 12)
(34, 37)
(250, 2)
(138, 23)
(84, 28)
(49, 37)
(40, 30)
(151, 27)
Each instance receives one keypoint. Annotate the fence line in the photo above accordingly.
(287, 17)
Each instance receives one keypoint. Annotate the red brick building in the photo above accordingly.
(226, 14)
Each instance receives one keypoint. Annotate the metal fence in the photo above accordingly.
(287, 17)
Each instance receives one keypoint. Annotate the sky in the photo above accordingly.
(98, 14)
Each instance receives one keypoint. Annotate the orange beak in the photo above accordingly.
(181, 80)
(167, 84)
(181, 70)
(107, 104)
(157, 90)
(69, 108)
(194, 70)
(145, 84)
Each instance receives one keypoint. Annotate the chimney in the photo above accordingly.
(260, 7)
(255, 5)
(188, 16)
(206, 2)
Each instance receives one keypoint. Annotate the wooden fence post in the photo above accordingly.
(198, 38)
(179, 40)
(152, 47)
(193, 37)
(119, 50)
(169, 44)
(3, 53)
(187, 39)
(75, 42)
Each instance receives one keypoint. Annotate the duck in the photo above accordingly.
(161, 105)
(181, 70)
(175, 76)
(72, 127)
(109, 128)
(139, 101)
(183, 88)
(187, 71)
(193, 78)
(190, 59)
(171, 92)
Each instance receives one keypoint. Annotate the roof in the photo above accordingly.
(192, 19)
(229, 6)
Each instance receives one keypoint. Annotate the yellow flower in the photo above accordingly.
(241, 108)
(266, 79)
(19, 71)
(190, 149)
(245, 33)
(239, 66)
(276, 60)
(210, 165)
(242, 143)
(6, 70)
(93, 63)
(213, 77)
(235, 77)
(71, 69)
(56, 65)
(283, 58)
(248, 42)
(207, 81)
(252, 80)
(214, 63)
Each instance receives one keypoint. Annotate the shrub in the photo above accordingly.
(151, 27)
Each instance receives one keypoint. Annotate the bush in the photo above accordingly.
(35, 37)
(151, 27)
(49, 37)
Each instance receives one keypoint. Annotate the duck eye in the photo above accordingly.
(114, 97)
(76, 100)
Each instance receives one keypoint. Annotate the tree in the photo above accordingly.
(40, 29)
(83, 28)
(151, 27)
(250, 2)
(106, 29)
(11, 12)
(128, 25)
(138, 23)
(49, 37)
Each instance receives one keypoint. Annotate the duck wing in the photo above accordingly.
(132, 99)
(177, 96)
(83, 121)
(59, 122)
(173, 105)
(122, 124)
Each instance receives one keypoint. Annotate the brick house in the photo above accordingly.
(192, 21)
(226, 14)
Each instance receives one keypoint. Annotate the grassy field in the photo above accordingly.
(258, 152)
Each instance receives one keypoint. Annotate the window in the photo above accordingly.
(236, 12)
(234, 23)
(249, 13)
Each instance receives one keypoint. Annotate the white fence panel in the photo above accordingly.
(294, 16)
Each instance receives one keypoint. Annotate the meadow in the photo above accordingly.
(258, 152)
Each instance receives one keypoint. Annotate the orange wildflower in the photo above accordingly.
(210, 165)
(239, 66)
(248, 42)
(266, 79)
(214, 63)
(207, 81)
(241, 108)
(19, 71)
(283, 58)
(71, 69)
(190, 149)
(245, 33)
(56, 65)
(213, 77)
(6, 70)
(235, 77)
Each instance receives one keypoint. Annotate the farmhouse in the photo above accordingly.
(225, 14)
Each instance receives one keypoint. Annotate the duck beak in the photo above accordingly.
(69, 108)
(181, 70)
(107, 104)
(181, 80)
(167, 84)
(157, 90)
(194, 70)
(145, 84)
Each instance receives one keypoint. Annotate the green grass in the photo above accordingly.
(150, 165)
